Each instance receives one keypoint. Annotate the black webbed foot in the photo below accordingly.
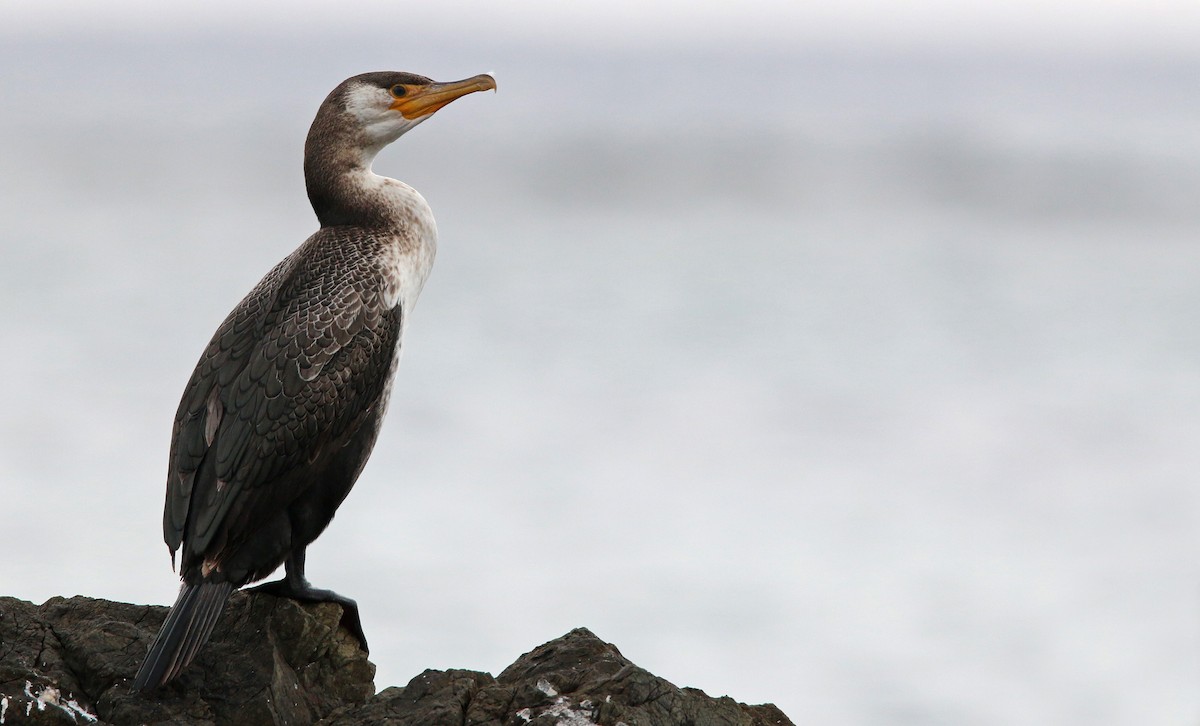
(304, 592)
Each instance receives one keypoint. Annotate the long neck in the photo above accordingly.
(337, 172)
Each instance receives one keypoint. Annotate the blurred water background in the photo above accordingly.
(860, 380)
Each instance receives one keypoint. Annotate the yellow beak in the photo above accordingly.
(423, 100)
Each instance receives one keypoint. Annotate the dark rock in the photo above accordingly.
(270, 660)
(275, 661)
(580, 679)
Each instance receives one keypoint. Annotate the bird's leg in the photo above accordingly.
(295, 586)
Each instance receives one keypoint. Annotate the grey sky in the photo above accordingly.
(1088, 25)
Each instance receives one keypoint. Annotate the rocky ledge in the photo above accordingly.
(275, 661)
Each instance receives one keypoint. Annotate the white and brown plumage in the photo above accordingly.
(284, 406)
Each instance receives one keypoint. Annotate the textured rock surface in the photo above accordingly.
(269, 660)
(274, 661)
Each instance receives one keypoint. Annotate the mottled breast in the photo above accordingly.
(407, 258)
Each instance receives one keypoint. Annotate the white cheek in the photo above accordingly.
(367, 103)
(371, 107)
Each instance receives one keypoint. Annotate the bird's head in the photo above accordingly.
(381, 106)
(358, 118)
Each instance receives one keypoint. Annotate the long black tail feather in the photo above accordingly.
(187, 628)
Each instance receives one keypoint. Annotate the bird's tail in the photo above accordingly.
(186, 628)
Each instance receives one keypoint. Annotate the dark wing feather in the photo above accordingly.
(291, 373)
(222, 360)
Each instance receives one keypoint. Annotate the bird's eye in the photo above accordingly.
(399, 91)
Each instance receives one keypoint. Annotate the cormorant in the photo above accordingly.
(284, 406)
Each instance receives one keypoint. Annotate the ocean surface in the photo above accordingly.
(865, 384)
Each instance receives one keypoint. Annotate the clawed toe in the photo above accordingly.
(306, 593)
(353, 623)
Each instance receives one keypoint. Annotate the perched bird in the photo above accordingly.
(284, 406)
